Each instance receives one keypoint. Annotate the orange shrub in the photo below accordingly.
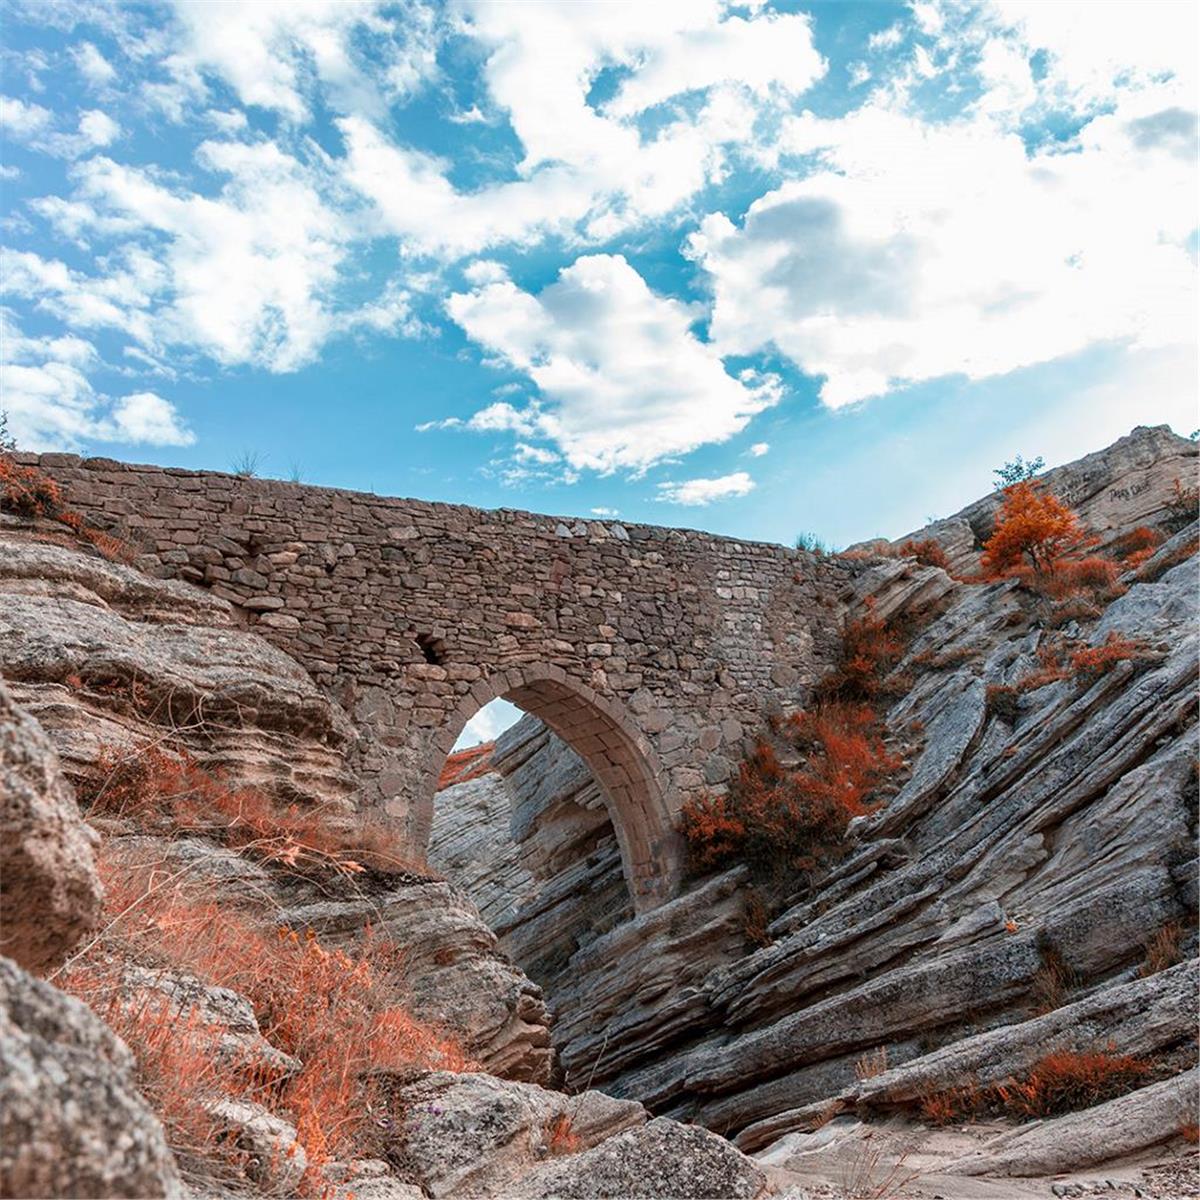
(28, 493)
(1066, 1080)
(561, 1137)
(1137, 545)
(928, 552)
(780, 818)
(1032, 525)
(466, 764)
(870, 649)
(1090, 663)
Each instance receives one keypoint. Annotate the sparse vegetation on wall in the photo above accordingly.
(780, 818)
(29, 493)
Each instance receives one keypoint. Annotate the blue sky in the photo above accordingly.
(755, 268)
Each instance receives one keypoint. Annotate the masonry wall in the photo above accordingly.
(656, 653)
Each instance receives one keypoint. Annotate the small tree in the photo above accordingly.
(1032, 524)
(1017, 470)
(8, 443)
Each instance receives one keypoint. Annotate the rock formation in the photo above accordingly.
(109, 665)
(1026, 887)
(51, 894)
(999, 906)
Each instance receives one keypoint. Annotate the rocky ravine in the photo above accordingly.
(1031, 845)
(1041, 838)
(97, 661)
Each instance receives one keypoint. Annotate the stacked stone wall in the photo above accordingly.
(656, 653)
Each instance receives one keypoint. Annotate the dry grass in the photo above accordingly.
(1061, 1081)
(27, 492)
(162, 791)
(339, 1012)
(876, 1172)
(1068, 1080)
(873, 1063)
(1163, 950)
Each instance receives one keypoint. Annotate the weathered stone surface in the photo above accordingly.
(94, 649)
(1063, 831)
(660, 1159)
(239, 1044)
(1113, 490)
(368, 1179)
(273, 1157)
(629, 641)
(473, 1135)
(51, 894)
(455, 973)
(72, 1123)
(1123, 1126)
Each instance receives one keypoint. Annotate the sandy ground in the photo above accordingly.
(895, 1161)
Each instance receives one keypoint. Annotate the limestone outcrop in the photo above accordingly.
(1113, 490)
(72, 1122)
(1003, 902)
(50, 894)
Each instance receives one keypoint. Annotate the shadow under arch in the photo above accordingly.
(624, 764)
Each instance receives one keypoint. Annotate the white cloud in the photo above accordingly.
(624, 380)
(698, 492)
(250, 275)
(93, 66)
(146, 417)
(21, 120)
(488, 723)
(759, 449)
(924, 250)
(601, 511)
(51, 404)
(588, 170)
(269, 51)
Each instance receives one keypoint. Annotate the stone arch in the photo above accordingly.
(624, 764)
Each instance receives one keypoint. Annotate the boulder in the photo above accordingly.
(1122, 1127)
(660, 1159)
(51, 896)
(474, 1135)
(72, 1122)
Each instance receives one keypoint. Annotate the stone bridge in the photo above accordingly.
(654, 653)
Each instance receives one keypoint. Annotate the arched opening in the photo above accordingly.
(629, 778)
(521, 825)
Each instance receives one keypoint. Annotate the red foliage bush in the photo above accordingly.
(928, 552)
(1137, 545)
(28, 493)
(1034, 525)
(1066, 1080)
(870, 648)
(467, 764)
(1062, 1081)
(1090, 663)
(780, 818)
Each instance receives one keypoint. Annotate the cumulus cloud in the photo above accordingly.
(248, 276)
(52, 405)
(759, 449)
(22, 120)
(699, 492)
(269, 50)
(93, 66)
(923, 250)
(590, 170)
(625, 382)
